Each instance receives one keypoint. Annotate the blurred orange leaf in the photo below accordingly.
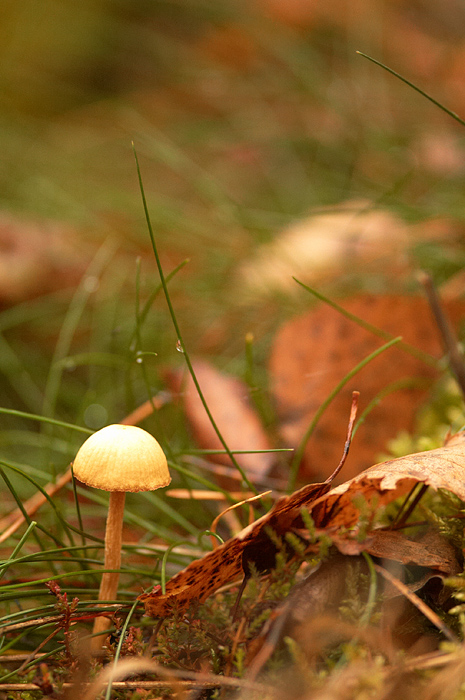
(313, 352)
(36, 258)
(228, 401)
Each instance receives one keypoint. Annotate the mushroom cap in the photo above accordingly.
(122, 458)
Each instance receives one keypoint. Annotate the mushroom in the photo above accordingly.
(118, 459)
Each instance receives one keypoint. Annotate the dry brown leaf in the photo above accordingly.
(443, 468)
(36, 258)
(228, 400)
(324, 588)
(313, 352)
(432, 551)
(331, 510)
(322, 591)
(226, 563)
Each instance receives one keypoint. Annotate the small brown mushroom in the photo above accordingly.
(118, 459)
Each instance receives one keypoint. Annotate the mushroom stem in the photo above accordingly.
(113, 541)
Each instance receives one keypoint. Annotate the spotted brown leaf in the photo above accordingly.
(226, 563)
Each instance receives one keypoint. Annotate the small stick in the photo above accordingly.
(418, 603)
(206, 495)
(449, 340)
(350, 428)
(146, 409)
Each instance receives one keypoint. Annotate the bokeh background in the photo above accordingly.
(261, 134)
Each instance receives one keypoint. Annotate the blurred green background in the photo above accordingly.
(246, 116)
(268, 148)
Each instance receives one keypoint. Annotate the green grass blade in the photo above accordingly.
(19, 503)
(137, 344)
(45, 419)
(200, 479)
(308, 433)
(19, 378)
(18, 500)
(70, 323)
(164, 507)
(120, 645)
(408, 383)
(142, 316)
(179, 334)
(12, 559)
(448, 111)
(236, 452)
(410, 349)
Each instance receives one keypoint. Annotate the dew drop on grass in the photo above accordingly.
(179, 347)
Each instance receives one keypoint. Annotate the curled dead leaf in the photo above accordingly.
(226, 563)
(443, 468)
(332, 510)
(431, 551)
